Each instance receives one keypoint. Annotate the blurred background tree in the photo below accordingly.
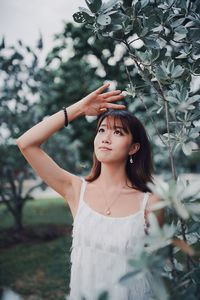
(18, 95)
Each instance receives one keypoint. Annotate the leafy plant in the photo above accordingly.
(162, 41)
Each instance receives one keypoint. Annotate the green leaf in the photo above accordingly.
(161, 42)
(87, 11)
(187, 148)
(40, 43)
(194, 208)
(180, 209)
(144, 3)
(184, 94)
(82, 17)
(159, 110)
(117, 27)
(177, 71)
(182, 55)
(184, 106)
(194, 135)
(172, 99)
(196, 67)
(20, 43)
(17, 56)
(180, 33)
(160, 73)
(104, 19)
(144, 31)
(177, 23)
(28, 49)
(103, 296)
(151, 43)
(94, 5)
(108, 5)
(193, 99)
(128, 278)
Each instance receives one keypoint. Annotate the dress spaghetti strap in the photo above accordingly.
(144, 204)
(83, 187)
(145, 200)
(82, 191)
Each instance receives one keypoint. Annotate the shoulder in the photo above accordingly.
(152, 201)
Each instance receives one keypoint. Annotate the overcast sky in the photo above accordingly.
(24, 19)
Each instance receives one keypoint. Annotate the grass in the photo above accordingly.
(38, 267)
(54, 211)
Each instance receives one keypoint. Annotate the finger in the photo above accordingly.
(102, 88)
(114, 106)
(114, 98)
(103, 109)
(111, 93)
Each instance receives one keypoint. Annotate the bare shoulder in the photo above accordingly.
(154, 199)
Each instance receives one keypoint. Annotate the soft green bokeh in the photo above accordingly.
(38, 268)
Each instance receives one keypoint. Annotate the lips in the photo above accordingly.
(104, 148)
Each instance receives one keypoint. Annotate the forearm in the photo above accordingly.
(39, 133)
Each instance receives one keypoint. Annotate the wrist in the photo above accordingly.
(74, 111)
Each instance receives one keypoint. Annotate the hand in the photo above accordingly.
(97, 101)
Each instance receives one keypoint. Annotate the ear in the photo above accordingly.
(134, 148)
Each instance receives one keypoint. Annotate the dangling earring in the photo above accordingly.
(131, 159)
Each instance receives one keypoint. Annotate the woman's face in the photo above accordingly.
(112, 143)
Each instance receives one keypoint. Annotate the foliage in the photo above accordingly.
(23, 80)
(162, 40)
(18, 92)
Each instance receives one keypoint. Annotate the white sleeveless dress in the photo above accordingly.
(100, 249)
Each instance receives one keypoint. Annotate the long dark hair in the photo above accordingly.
(140, 173)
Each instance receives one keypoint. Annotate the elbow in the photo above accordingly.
(24, 145)
(20, 144)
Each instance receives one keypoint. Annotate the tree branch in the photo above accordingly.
(31, 189)
(147, 110)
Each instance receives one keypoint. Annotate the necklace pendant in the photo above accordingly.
(108, 212)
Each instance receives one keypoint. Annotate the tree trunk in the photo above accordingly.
(19, 218)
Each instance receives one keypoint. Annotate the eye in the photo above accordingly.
(118, 132)
(101, 130)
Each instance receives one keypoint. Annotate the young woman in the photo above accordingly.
(110, 205)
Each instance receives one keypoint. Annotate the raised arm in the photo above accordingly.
(62, 181)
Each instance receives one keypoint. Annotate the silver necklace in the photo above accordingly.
(107, 209)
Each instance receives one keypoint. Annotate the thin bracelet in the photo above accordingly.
(66, 116)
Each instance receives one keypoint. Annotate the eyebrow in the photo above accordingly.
(104, 125)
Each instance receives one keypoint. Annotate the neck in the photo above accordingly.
(113, 175)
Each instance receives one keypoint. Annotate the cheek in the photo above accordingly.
(96, 141)
(125, 147)
(125, 143)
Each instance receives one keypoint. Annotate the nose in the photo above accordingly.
(107, 138)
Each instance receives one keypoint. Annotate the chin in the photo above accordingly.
(106, 160)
